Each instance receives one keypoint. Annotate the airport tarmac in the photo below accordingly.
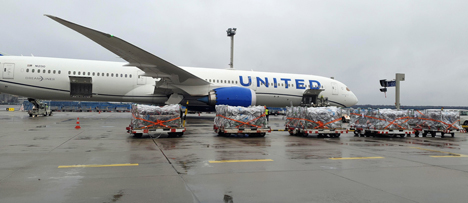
(46, 159)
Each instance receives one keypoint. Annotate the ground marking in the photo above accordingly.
(96, 166)
(454, 155)
(353, 158)
(237, 161)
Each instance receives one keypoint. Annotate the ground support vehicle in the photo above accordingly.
(243, 121)
(323, 121)
(320, 132)
(433, 132)
(434, 121)
(39, 109)
(150, 131)
(152, 120)
(368, 132)
(250, 131)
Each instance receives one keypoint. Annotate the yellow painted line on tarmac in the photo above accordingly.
(237, 161)
(96, 166)
(353, 158)
(453, 155)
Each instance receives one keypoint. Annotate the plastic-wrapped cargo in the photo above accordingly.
(156, 116)
(383, 119)
(237, 116)
(314, 117)
(358, 118)
(438, 120)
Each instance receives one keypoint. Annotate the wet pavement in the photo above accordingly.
(46, 159)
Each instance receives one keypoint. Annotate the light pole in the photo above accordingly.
(230, 33)
(394, 83)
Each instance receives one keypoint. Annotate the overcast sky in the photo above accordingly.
(357, 42)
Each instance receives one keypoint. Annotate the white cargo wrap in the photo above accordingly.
(146, 116)
(383, 119)
(233, 120)
(314, 117)
(438, 120)
(237, 116)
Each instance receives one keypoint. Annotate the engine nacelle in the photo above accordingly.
(232, 96)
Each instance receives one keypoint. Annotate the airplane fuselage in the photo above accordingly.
(49, 79)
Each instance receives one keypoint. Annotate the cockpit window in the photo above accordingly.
(347, 89)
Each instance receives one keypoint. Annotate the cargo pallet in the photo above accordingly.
(321, 132)
(171, 132)
(433, 132)
(252, 131)
(367, 132)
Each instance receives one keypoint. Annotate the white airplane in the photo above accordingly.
(147, 78)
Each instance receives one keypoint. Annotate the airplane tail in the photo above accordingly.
(2, 54)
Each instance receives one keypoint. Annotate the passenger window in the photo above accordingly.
(89, 73)
(107, 74)
(121, 75)
(38, 71)
(74, 72)
(27, 70)
(97, 74)
(48, 71)
(79, 73)
(69, 72)
(54, 72)
(32, 70)
(130, 75)
(93, 73)
(59, 72)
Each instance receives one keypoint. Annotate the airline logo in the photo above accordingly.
(299, 83)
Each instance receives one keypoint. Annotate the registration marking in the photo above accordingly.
(237, 161)
(96, 166)
(453, 155)
(353, 158)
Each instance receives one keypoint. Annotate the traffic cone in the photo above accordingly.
(77, 123)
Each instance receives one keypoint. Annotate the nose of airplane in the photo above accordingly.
(353, 99)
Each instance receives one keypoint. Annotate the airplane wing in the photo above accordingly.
(152, 65)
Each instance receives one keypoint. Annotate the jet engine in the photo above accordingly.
(232, 96)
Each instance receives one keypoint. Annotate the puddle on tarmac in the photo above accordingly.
(298, 144)
(228, 199)
(83, 138)
(368, 144)
(312, 153)
(41, 126)
(117, 196)
(187, 162)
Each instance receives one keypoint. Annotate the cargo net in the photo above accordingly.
(438, 120)
(145, 116)
(314, 117)
(381, 119)
(237, 117)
